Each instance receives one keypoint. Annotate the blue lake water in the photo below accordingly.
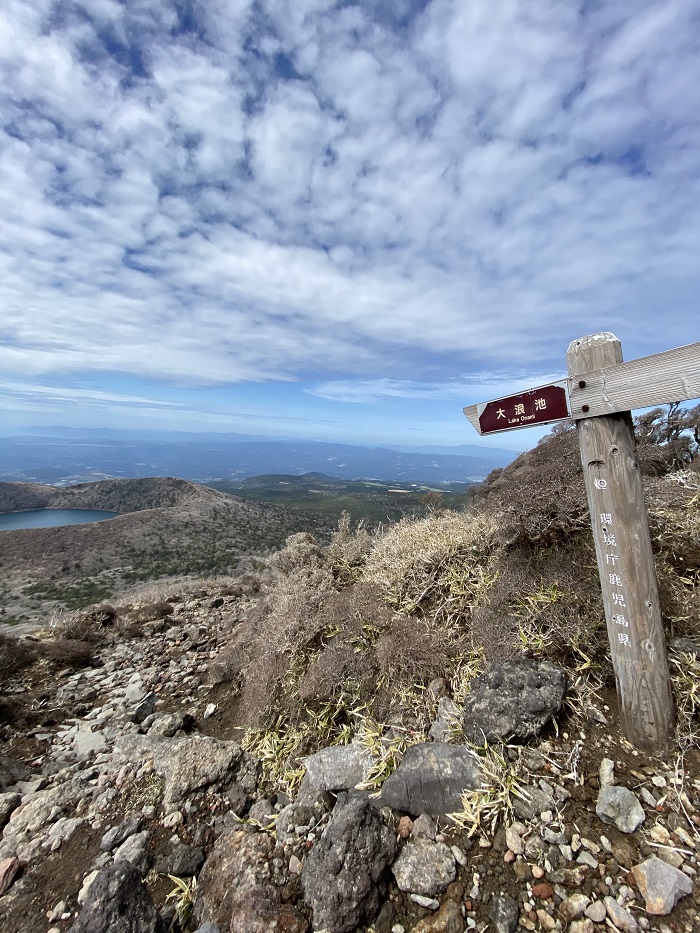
(52, 518)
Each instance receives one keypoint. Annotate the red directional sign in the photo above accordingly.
(536, 406)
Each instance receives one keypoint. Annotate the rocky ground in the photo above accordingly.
(127, 803)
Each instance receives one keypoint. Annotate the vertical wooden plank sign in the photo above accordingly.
(598, 395)
(624, 555)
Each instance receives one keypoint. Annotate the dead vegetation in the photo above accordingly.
(18, 654)
(357, 632)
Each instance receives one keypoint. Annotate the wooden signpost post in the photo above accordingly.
(600, 392)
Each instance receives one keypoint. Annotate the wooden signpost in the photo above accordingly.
(601, 391)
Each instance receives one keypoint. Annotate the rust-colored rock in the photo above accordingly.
(543, 890)
(8, 871)
(455, 891)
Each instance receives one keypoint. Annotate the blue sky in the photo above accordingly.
(337, 220)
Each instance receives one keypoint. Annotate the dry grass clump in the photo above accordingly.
(541, 496)
(674, 524)
(18, 654)
(685, 679)
(348, 626)
(348, 550)
(88, 625)
(283, 629)
(414, 651)
(438, 565)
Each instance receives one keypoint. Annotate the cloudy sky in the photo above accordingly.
(337, 220)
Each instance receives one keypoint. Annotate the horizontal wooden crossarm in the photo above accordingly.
(672, 376)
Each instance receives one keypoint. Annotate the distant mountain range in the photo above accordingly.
(62, 456)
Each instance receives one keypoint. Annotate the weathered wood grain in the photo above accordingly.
(472, 412)
(672, 376)
(624, 556)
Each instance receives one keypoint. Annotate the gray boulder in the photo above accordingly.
(135, 850)
(235, 890)
(342, 874)
(12, 771)
(339, 767)
(8, 803)
(289, 818)
(513, 700)
(116, 835)
(189, 763)
(117, 902)
(431, 779)
(448, 713)
(183, 861)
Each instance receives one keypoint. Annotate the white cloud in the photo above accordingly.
(476, 387)
(299, 188)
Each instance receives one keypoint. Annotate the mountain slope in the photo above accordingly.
(167, 527)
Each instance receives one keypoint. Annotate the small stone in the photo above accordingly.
(209, 710)
(659, 833)
(424, 867)
(606, 772)
(620, 916)
(430, 903)
(662, 885)
(173, 819)
(404, 827)
(57, 912)
(543, 890)
(547, 923)
(573, 907)
(586, 858)
(582, 926)
(8, 803)
(514, 838)
(504, 913)
(423, 828)
(448, 919)
(537, 871)
(619, 806)
(459, 856)
(85, 887)
(596, 912)
(295, 865)
(510, 856)
(455, 891)
(624, 854)
(671, 857)
(134, 850)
